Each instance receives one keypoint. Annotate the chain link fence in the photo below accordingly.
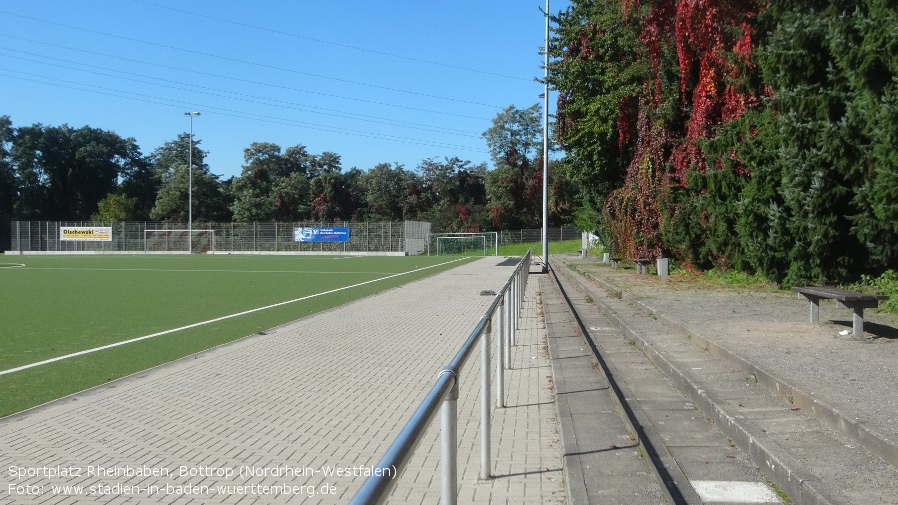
(408, 237)
(536, 235)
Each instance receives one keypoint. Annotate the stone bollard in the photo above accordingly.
(661, 264)
(606, 257)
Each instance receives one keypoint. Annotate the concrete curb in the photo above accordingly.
(787, 473)
(853, 428)
(635, 419)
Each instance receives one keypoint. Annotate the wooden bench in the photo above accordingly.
(615, 261)
(853, 300)
(642, 265)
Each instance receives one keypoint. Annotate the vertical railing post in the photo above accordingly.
(519, 277)
(449, 444)
(508, 327)
(513, 293)
(485, 406)
(500, 353)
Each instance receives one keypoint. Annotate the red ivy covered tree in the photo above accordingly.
(708, 45)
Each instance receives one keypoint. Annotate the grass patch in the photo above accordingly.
(59, 305)
(885, 284)
(564, 247)
(728, 278)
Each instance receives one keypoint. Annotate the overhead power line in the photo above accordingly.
(227, 112)
(234, 95)
(237, 79)
(245, 62)
(332, 43)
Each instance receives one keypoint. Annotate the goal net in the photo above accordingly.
(203, 241)
(472, 244)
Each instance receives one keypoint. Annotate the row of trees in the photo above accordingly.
(64, 173)
(737, 134)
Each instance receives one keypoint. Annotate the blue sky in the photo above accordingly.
(375, 82)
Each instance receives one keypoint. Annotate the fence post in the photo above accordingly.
(485, 403)
(449, 444)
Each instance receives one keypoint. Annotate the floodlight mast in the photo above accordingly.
(191, 115)
(545, 251)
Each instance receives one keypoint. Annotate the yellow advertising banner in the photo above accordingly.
(91, 233)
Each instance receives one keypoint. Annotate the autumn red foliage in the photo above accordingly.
(713, 42)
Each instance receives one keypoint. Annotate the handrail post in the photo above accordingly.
(520, 293)
(513, 292)
(485, 403)
(508, 328)
(501, 363)
(449, 444)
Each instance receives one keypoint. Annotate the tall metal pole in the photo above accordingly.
(190, 183)
(545, 253)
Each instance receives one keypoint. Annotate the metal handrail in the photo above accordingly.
(378, 486)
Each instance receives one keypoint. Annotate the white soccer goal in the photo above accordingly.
(440, 244)
(179, 241)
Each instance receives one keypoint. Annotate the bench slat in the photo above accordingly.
(841, 295)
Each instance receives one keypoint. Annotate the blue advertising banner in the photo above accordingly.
(321, 234)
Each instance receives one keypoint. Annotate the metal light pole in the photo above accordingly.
(190, 182)
(545, 253)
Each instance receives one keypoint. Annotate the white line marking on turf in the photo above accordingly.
(730, 491)
(202, 270)
(217, 319)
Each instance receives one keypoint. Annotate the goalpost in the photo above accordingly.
(179, 241)
(462, 243)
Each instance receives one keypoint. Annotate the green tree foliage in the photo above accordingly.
(36, 170)
(139, 183)
(115, 208)
(733, 135)
(63, 172)
(600, 75)
(176, 152)
(326, 162)
(515, 184)
(8, 187)
(336, 196)
(515, 136)
(390, 192)
(564, 194)
(832, 69)
(454, 193)
(210, 203)
(272, 185)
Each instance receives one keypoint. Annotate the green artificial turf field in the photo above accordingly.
(55, 306)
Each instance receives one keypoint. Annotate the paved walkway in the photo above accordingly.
(307, 406)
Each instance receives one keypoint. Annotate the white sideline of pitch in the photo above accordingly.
(217, 319)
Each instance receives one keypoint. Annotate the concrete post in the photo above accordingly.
(661, 265)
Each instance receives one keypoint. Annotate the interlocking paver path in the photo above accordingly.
(309, 400)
